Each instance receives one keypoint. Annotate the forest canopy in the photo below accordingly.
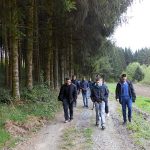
(55, 38)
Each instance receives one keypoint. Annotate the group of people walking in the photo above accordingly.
(98, 92)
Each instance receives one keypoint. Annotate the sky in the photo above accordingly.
(136, 33)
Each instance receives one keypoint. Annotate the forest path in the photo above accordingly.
(51, 137)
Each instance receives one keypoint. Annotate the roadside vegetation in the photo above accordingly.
(140, 128)
(35, 108)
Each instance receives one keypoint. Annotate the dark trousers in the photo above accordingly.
(127, 102)
(106, 107)
(68, 109)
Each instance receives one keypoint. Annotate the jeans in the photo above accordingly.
(67, 105)
(85, 99)
(126, 102)
(100, 112)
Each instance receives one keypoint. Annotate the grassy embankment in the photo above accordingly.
(40, 104)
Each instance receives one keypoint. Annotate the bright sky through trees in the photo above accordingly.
(136, 33)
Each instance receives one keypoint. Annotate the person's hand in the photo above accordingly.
(117, 100)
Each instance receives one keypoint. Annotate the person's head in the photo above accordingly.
(74, 77)
(123, 78)
(68, 81)
(83, 78)
(99, 80)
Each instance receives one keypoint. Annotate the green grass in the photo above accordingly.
(4, 136)
(143, 103)
(141, 130)
(76, 138)
(111, 87)
(45, 106)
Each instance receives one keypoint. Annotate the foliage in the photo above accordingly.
(146, 70)
(130, 70)
(142, 56)
(139, 75)
(69, 5)
(141, 130)
(5, 96)
(4, 136)
(43, 103)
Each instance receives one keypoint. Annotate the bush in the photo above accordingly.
(38, 93)
(138, 75)
(131, 68)
(146, 70)
(5, 96)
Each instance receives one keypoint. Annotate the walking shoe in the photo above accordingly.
(107, 115)
(103, 127)
(124, 123)
(97, 124)
(129, 119)
(65, 121)
(71, 119)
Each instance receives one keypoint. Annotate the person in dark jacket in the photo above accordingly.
(67, 94)
(76, 83)
(106, 101)
(84, 86)
(99, 95)
(125, 94)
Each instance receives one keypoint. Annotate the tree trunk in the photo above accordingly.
(36, 60)
(15, 70)
(29, 80)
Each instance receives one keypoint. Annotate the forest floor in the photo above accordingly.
(82, 134)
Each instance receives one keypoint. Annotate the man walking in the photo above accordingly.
(99, 95)
(125, 94)
(76, 83)
(68, 93)
(84, 86)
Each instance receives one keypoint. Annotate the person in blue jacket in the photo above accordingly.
(76, 83)
(125, 94)
(84, 86)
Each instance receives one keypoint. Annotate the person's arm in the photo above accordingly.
(117, 92)
(106, 91)
(132, 92)
(92, 95)
(75, 93)
(61, 94)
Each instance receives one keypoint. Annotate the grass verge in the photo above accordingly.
(143, 103)
(39, 103)
(140, 130)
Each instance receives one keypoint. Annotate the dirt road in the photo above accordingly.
(115, 137)
(142, 90)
